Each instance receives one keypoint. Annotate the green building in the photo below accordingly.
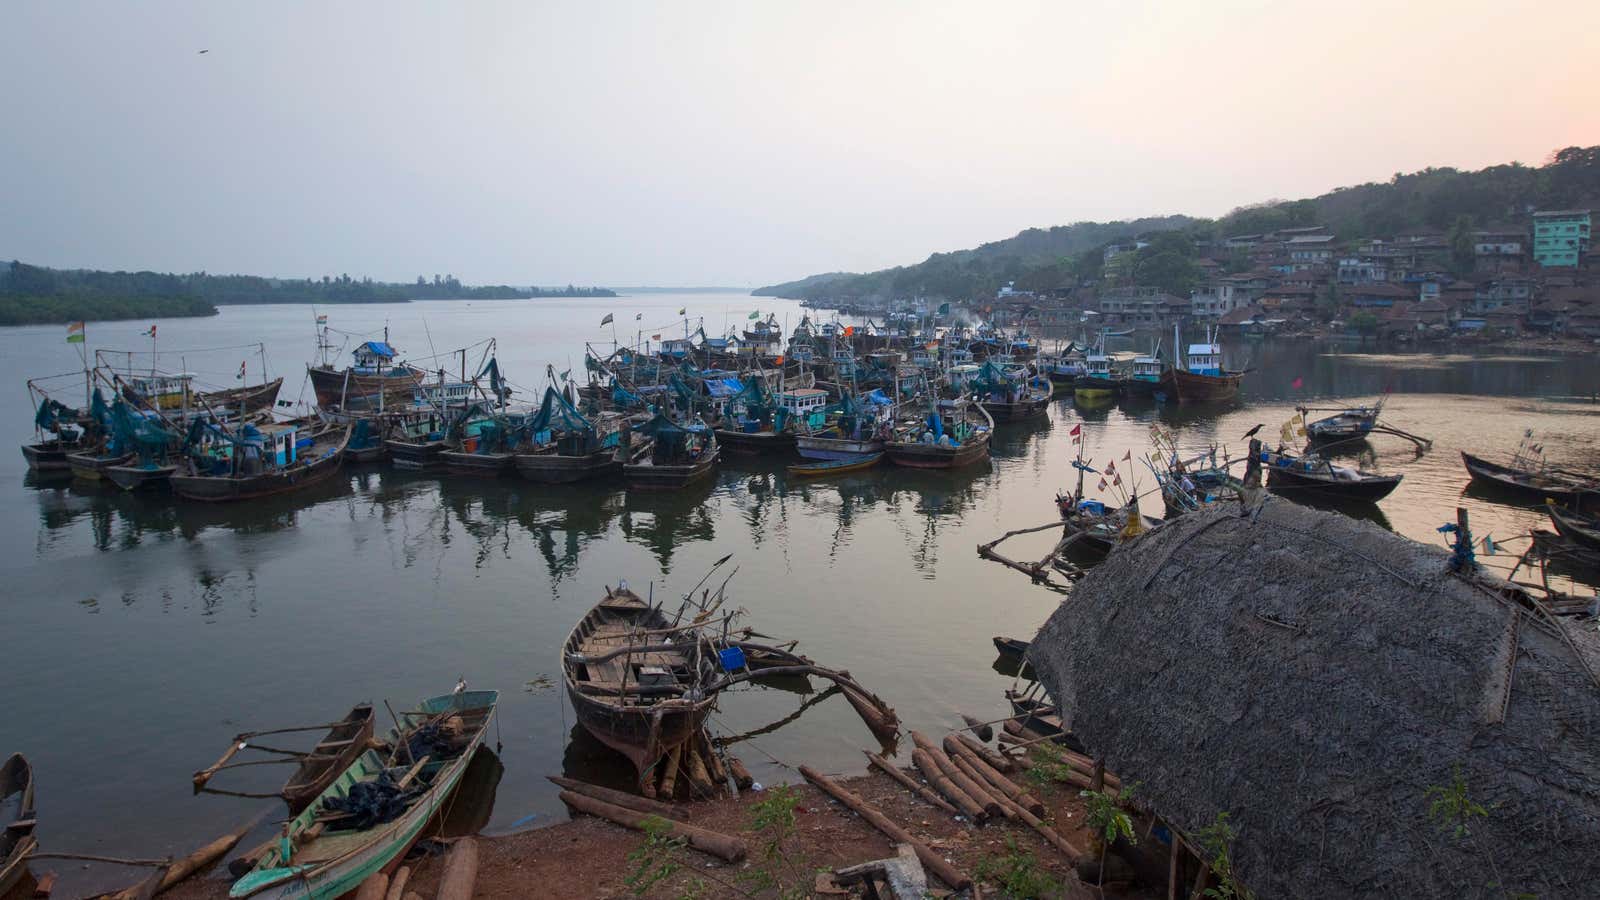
(1560, 237)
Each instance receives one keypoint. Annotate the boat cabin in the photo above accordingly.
(448, 393)
(962, 376)
(1205, 359)
(1146, 368)
(373, 357)
(802, 402)
(163, 391)
(1097, 365)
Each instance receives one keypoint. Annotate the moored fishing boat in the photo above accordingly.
(1351, 424)
(948, 436)
(853, 427)
(1060, 366)
(835, 466)
(17, 814)
(664, 455)
(1010, 647)
(59, 430)
(176, 391)
(1293, 475)
(1012, 396)
(338, 841)
(1530, 480)
(1579, 528)
(1099, 382)
(245, 462)
(374, 382)
(754, 422)
(1198, 377)
(568, 446)
(1144, 378)
(344, 741)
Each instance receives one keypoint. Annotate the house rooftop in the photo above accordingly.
(1550, 213)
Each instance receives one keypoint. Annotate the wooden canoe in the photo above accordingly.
(16, 820)
(1530, 486)
(332, 755)
(835, 466)
(1013, 648)
(1580, 529)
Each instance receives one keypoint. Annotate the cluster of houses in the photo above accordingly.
(1543, 276)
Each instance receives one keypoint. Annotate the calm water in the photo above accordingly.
(142, 632)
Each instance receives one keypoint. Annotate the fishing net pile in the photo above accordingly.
(1372, 724)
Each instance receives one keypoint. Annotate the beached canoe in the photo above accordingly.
(16, 820)
(835, 466)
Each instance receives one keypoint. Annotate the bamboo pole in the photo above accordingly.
(963, 801)
(397, 884)
(971, 787)
(722, 846)
(926, 793)
(934, 863)
(987, 773)
(621, 798)
(460, 870)
(997, 760)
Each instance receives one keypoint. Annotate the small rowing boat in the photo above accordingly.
(16, 820)
(1291, 475)
(835, 466)
(1524, 482)
(1579, 528)
(1010, 647)
(376, 809)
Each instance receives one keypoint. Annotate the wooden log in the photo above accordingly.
(741, 775)
(669, 776)
(183, 868)
(1021, 813)
(923, 791)
(995, 759)
(1007, 808)
(1172, 867)
(722, 846)
(983, 730)
(376, 887)
(413, 895)
(934, 863)
(700, 783)
(460, 873)
(719, 774)
(397, 884)
(963, 801)
(45, 884)
(973, 789)
(621, 798)
(988, 774)
(881, 727)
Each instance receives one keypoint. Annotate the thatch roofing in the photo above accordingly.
(1313, 676)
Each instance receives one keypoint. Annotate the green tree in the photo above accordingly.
(1462, 245)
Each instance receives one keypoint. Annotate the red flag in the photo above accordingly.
(1127, 457)
(1076, 430)
(1111, 467)
(1102, 484)
(1117, 480)
(1297, 383)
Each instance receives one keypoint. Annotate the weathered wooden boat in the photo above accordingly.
(1292, 475)
(17, 818)
(1532, 485)
(1199, 377)
(256, 462)
(327, 851)
(947, 437)
(366, 442)
(175, 391)
(1092, 528)
(136, 475)
(835, 466)
(376, 381)
(1099, 382)
(1009, 396)
(663, 455)
(91, 465)
(630, 688)
(50, 455)
(345, 740)
(1348, 425)
(1010, 647)
(1579, 528)
(1144, 379)
(833, 443)
(59, 430)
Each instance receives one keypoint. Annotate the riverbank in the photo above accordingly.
(30, 310)
(587, 857)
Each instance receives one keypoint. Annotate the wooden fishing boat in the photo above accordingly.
(170, 392)
(669, 456)
(835, 466)
(764, 442)
(1098, 383)
(629, 688)
(470, 462)
(1018, 400)
(928, 443)
(1531, 485)
(374, 382)
(225, 468)
(1579, 528)
(92, 465)
(1093, 528)
(1010, 647)
(1198, 376)
(1349, 425)
(136, 475)
(16, 820)
(50, 456)
(1293, 475)
(329, 852)
(334, 754)
(831, 443)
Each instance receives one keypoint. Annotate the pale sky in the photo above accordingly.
(730, 143)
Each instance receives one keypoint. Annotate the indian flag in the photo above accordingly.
(322, 319)
(75, 332)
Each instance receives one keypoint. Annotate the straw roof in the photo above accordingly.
(1313, 676)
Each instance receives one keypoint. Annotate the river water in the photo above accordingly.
(141, 632)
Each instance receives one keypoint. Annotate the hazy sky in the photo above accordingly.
(729, 143)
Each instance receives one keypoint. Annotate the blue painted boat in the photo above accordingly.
(836, 466)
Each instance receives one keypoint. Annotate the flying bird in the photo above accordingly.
(205, 51)
(1252, 432)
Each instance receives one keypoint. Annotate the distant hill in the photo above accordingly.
(36, 294)
(1432, 200)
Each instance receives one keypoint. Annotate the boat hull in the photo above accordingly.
(551, 468)
(1182, 386)
(1526, 486)
(835, 467)
(933, 456)
(92, 467)
(16, 787)
(1579, 530)
(813, 446)
(648, 476)
(133, 478)
(751, 443)
(48, 456)
(416, 456)
(229, 488)
(489, 465)
(1369, 489)
(344, 389)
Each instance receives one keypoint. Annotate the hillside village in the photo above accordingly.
(1538, 276)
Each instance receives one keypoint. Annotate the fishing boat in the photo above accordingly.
(1010, 647)
(366, 441)
(1144, 379)
(1198, 377)
(16, 811)
(1093, 528)
(1291, 475)
(1351, 424)
(1528, 479)
(1098, 383)
(950, 435)
(487, 447)
(1060, 366)
(631, 687)
(136, 475)
(1012, 395)
(568, 446)
(175, 391)
(835, 466)
(754, 422)
(344, 742)
(59, 430)
(344, 837)
(1579, 528)
(246, 462)
(663, 455)
(375, 381)
(49, 456)
(853, 427)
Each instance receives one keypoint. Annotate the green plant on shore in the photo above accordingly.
(655, 860)
(1106, 819)
(1217, 840)
(1450, 808)
(1018, 874)
(773, 820)
(1046, 769)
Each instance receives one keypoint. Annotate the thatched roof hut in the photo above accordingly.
(1313, 676)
